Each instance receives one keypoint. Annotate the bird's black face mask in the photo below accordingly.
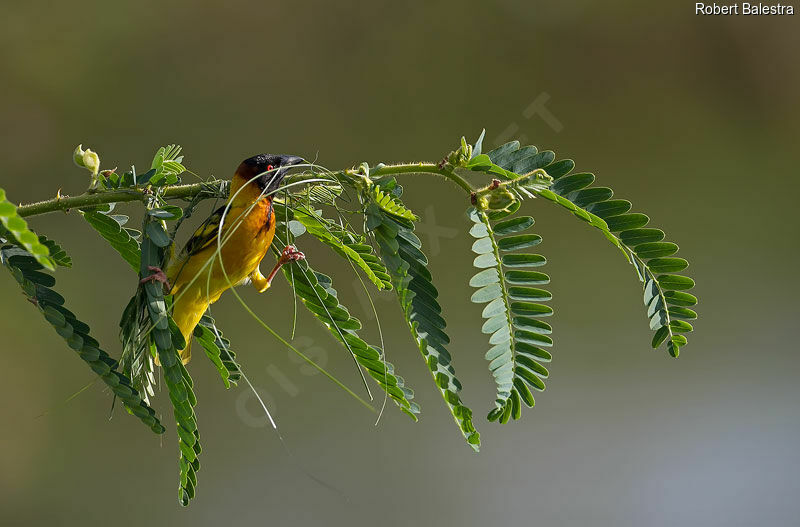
(270, 169)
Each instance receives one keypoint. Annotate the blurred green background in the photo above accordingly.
(692, 118)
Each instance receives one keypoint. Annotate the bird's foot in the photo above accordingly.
(157, 276)
(291, 254)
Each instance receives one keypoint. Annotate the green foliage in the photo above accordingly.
(218, 350)
(589, 217)
(507, 280)
(512, 297)
(317, 294)
(401, 252)
(346, 243)
(518, 168)
(165, 170)
(167, 340)
(166, 167)
(57, 254)
(665, 299)
(112, 229)
(36, 286)
(666, 303)
(389, 203)
(138, 352)
(15, 229)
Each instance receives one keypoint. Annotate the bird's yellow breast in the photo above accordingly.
(245, 237)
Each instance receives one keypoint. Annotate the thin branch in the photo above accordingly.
(216, 188)
(423, 168)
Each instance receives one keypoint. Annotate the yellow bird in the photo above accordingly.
(242, 232)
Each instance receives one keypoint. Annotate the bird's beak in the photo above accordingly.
(294, 160)
(286, 164)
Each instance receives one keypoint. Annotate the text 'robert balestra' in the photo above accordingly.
(742, 9)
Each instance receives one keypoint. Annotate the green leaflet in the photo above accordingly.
(218, 350)
(16, 230)
(37, 288)
(317, 294)
(390, 204)
(121, 239)
(643, 247)
(57, 254)
(165, 168)
(137, 352)
(589, 217)
(346, 243)
(511, 311)
(400, 250)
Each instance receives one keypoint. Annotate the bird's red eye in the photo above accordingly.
(269, 167)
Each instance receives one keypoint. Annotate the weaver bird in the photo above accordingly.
(239, 233)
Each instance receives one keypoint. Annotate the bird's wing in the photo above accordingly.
(205, 235)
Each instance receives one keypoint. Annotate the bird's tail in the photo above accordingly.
(186, 353)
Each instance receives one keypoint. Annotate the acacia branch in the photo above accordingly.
(216, 188)
(423, 168)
